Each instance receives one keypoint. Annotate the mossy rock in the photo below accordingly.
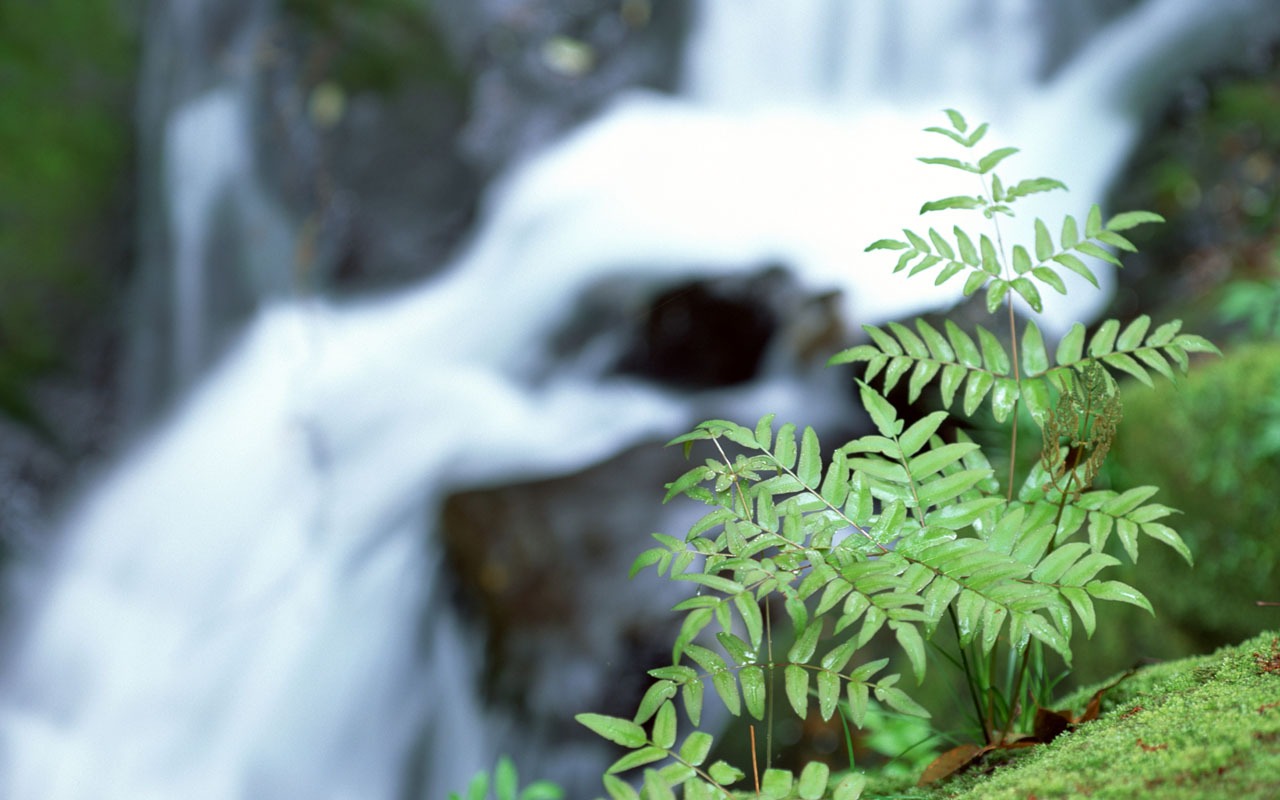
(1201, 728)
(1212, 443)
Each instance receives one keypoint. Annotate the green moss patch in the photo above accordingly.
(1201, 728)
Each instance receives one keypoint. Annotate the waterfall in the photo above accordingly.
(251, 603)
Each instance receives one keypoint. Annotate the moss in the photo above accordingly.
(1201, 728)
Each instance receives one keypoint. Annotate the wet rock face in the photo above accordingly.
(702, 335)
(541, 568)
(699, 334)
(542, 66)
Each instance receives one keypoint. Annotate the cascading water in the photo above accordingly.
(251, 604)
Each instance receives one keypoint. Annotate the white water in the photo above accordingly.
(249, 605)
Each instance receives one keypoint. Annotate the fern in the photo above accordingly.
(900, 531)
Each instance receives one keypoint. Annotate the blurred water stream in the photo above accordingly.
(253, 604)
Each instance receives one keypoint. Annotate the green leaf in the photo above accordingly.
(1164, 334)
(1049, 278)
(920, 376)
(850, 787)
(656, 787)
(797, 685)
(1071, 346)
(1035, 396)
(664, 726)
(813, 781)
(542, 790)
(1034, 186)
(749, 610)
(691, 696)
(828, 693)
(918, 435)
(1077, 266)
(979, 384)
(617, 730)
(952, 135)
(899, 701)
(990, 160)
(477, 789)
(1082, 604)
(1101, 253)
(1040, 628)
(881, 411)
(1058, 562)
(784, 447)
(810, 470)
(724, 773)
(947, 488)
(958, 516)
(753, 690)
(990, 261)
(939, 457)
(1133, 333)
(1196, 344)
(957, 120)
(836, 659)
(968, 253)
(764, 431)
(974, 282)
(736, 649)
(776, 783)
(1093, 224)
(950, 162)
(887, 244)
(1117, 241)
(993, 353)
(637, 758)
(619, 789)
(1125, 363)
(727, 687)
(1021, 259)
(1028, 291)
(1119, 592)
(716, 583)
(708, 660)
(996, 292)
(1035, 359)
(957, 201)
(911, 642)
(506, 782)
(1131, 219)
(696, 747)
(952, 375)
(1163, 533)
(654, 696)
(1086, 568)
(964, 346)
(1104, 340)
(1044, 241)
(1070, 235)
(911, 343)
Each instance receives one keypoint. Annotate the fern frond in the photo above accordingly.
(982, 368)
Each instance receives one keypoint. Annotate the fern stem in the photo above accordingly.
(1014, 696)
(768, 729)
(969, 676)
(1017, 379)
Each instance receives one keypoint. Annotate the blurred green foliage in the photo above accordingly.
(67, 69)
(377, 44)
(1213, 444)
